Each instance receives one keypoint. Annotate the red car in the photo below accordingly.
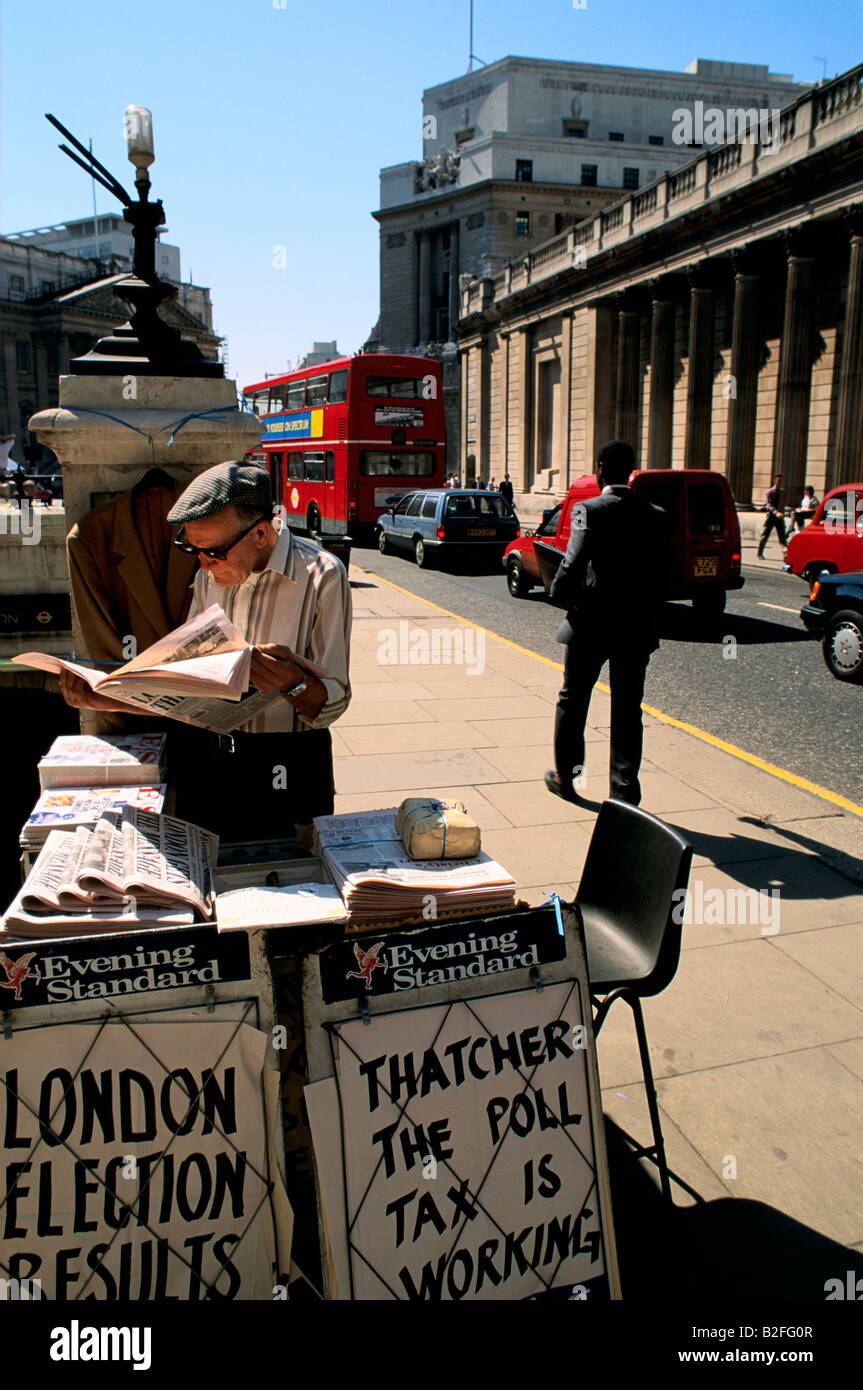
(833, 539)
(705, 533)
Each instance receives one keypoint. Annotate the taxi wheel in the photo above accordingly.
(382, 541)
(516, 580)
(843, 645)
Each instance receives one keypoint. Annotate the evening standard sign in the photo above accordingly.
(458, 1140)
(401, 961)
(137, 1163)
(114, 968)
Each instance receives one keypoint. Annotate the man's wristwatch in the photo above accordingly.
(300, 688)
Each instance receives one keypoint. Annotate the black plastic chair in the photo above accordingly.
(631, 899)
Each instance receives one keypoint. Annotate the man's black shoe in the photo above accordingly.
(554, 784)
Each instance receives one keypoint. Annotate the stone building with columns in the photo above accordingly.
(521, 150)
(713, 318)
(53, 306)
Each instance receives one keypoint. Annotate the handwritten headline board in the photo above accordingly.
(457, 1127)
(138, 1161)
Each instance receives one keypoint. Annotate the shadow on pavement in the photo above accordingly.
(679, 622)
(750, 872)
(730, 1248)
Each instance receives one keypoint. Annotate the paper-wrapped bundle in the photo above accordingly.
(437, 829)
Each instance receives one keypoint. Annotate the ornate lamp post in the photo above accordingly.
(146, 346)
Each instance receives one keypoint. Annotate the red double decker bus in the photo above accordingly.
(340, 438)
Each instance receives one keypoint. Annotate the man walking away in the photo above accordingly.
(612, 581)
(775, 515)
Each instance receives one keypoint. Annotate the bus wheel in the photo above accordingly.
(382, 541)
(313, 520)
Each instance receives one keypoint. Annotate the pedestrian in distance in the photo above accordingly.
(806, 510)
(506, 489)
(480, 482)
(492, 487)
(611, 581)
(775, 519)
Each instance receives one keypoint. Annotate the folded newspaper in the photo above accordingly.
(380, 882)
(65, 808)
(199, 674)
(141, 868)
(92, 760)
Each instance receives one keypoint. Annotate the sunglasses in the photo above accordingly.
(211, 553)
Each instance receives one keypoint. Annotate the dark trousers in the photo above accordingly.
(772, 520)
(627, 668)
(261, 791)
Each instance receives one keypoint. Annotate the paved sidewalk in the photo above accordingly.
(758, 1042)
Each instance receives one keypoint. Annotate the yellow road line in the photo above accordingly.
(779, 607)
(802, 782)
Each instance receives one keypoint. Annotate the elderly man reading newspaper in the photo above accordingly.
(289, 599)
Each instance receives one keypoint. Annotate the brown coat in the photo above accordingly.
(127, 579)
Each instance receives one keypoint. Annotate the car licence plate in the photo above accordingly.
(481, 531)
(705, 566)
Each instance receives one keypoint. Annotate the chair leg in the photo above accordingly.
(652, 1103)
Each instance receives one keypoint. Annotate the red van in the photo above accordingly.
(705, 533)
(833, 539)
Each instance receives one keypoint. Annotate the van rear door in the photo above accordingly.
(707, 544)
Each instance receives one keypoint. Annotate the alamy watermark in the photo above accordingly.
(722, 907)
(697, 125)
(432, 646)
(23, 520)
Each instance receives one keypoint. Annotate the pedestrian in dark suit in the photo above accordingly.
(505, 489)
(611, 580)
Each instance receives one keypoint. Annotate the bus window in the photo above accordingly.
(259, 402)
(338, 387)
(275, 462)
(316, 390)
(393, 386)
(374, 463)
(277, 400)
(331, 466)
(314, 466)
(295, 467)
(296, 395)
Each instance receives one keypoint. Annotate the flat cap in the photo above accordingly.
(231, 484)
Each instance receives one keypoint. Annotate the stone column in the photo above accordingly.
(525, 410)
(11, 361)
(424, 313)
(699, 391)
(743, 399)
(454, 303)
(795, 369)
(849, 424)
(599, 422)
(661, 380)
(628, 375)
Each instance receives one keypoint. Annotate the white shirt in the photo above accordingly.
(302, 600)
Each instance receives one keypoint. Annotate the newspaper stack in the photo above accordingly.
(142, 869)
(379, 882)
(88, 760)
(65, 808)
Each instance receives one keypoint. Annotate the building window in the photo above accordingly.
(588, 175)
(524, 170)
(22, 354)
(48, 287)
(656, 139)
(522, 224)
(616, 135)
(630, 178)
(577, 129)
(17, 284)
(105, 249)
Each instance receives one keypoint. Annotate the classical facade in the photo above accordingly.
(53, 307)
(518, 152)
(713, 318)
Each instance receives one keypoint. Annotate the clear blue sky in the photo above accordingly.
(271, 124)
